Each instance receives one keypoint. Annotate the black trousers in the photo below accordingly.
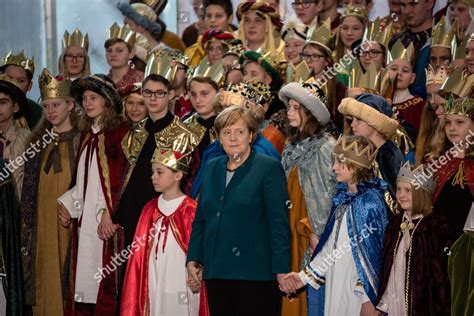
(243, 298)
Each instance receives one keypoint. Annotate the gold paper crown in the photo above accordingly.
(359, 12)
(458, 106)
(53, 88)
(458, 84)
(172, 159)
(370, 79)
(353, 149)
(399, 51)
(417, 177)
(124, 33)
(272, 57)
(255, 91)
(321, 35)
(75, 39)
(160, 63)
(436, 77)
(235, 48)
(460, 52)
(299, 73)
(442, 36)
(375, 32)
(20, 60)
(215, 72)
(174, 146)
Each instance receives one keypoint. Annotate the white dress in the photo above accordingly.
(344, 293)
(167, 274)
(88, 211)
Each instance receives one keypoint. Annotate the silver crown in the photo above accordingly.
(417, 177)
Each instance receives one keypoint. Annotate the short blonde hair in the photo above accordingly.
(232, 115)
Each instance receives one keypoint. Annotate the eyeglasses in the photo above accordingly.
(305, 4)
(158, 94)
(311, 57)
(371, 53)
(70, 57)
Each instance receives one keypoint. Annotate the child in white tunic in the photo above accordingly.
(345, 260)
(156, 277)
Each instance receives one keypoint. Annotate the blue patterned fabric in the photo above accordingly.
(367, 212)
(260, 145)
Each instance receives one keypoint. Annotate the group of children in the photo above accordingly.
(380, 180)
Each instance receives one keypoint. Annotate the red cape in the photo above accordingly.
(135, 289)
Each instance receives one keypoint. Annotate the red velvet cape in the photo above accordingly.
(135, 299)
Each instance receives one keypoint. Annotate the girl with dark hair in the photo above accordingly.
(307, 163)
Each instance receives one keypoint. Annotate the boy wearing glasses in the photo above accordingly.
(307, 10)
(158, 130)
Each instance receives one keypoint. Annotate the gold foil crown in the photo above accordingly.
(172, 159)
(215, 72)
(124, 33)
(53, 88)
(298, 73)
(436, 76)
(417, 177)
(20, 60)
(161, 63)
(75, 39)
(355, 150)
(442, 36)
(174, 147)
(458, 84)
(321, 35)
(255, 91)
(370, 79)
(359, 12)
(460, 52)
(399, 51)
(375, 32)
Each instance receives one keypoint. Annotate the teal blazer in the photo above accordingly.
(241, 232)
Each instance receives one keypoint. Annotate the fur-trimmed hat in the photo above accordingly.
(100, 84)
(372, 109)
(311, 97)
(144, 16)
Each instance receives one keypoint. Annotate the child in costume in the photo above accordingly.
(307, 163)
(414, 271)
(92, 199)
(452, 156)
(344, 274)
(156, 277)
(45, 242)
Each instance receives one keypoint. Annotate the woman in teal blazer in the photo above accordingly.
(240, 240)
